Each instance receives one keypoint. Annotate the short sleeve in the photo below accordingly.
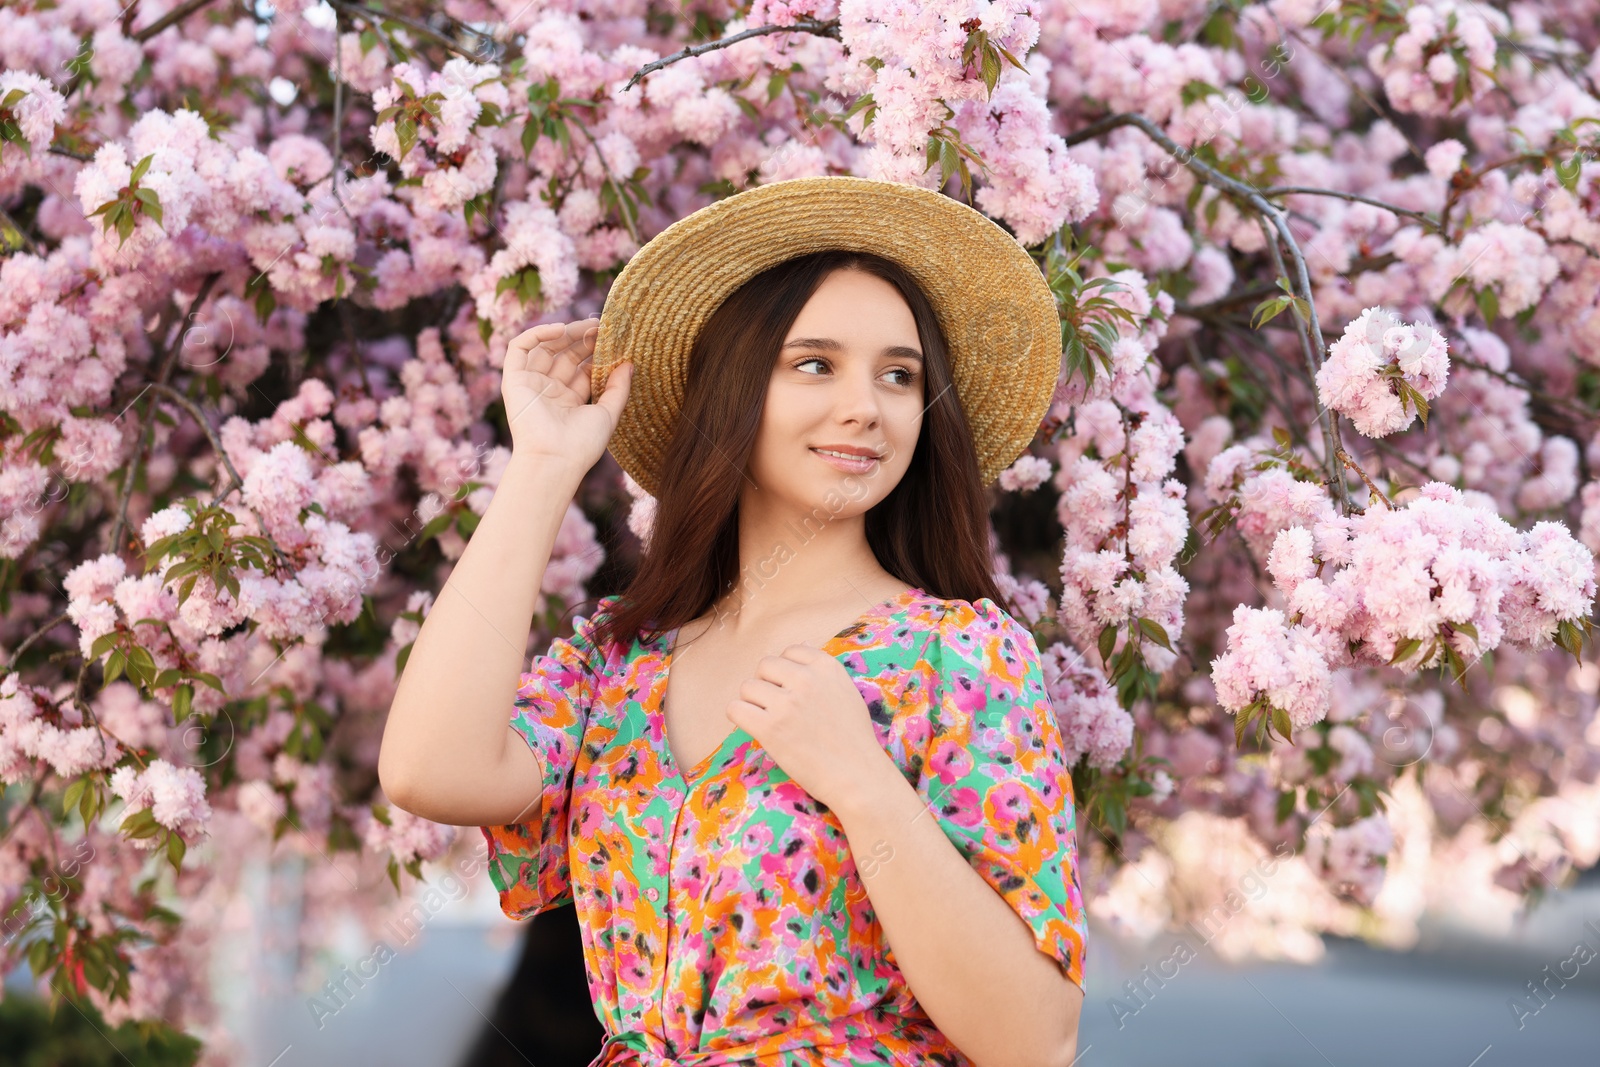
(528, 861)
(997, 778)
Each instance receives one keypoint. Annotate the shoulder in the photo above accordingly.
(982, 627)
(585, 633)
(981, 644)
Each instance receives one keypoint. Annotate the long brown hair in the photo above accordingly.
(931, 531)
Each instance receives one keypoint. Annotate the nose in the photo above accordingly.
(857, 400)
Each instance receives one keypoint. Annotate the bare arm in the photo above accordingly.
(448, 753)
(970, 960)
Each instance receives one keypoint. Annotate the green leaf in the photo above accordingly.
(140, 169)
(1280, 721)
(775, 84)
(1568, 171)
(1404, 649)
(1268, 310)
(152, 203)
(1108, 641)
(175, 850)
(991, 69)
(1196, 89)
(1488, 305)
(140, 824)
(182, 702)
(1286, 804)
(1155, 632)
(73, 795)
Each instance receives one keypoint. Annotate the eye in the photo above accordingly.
(909, 376)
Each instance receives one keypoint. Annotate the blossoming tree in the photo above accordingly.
(1306, 540)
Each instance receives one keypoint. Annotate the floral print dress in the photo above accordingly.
(723, 918)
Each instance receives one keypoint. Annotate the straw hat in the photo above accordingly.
(998, 315)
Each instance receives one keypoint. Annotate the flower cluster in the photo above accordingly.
(1436, 582)
(1381, 373)
(1441, 62)
(175, 796)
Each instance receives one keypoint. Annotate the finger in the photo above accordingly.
(789, 666)
(545, 356)
(744, 715)
(759, 692)
(517, 352)
(615, 395)
(572, 365)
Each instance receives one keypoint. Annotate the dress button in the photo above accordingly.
(653, 893)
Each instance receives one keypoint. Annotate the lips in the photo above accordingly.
(852, 464)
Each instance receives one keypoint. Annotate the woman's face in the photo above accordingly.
(849, 376)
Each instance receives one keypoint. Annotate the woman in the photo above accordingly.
(846, 850)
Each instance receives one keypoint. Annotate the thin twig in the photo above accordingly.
(164, 370)
(16, 657)
(1350, 462)
(1238, 296)
(622, 208)
(177, 14)
(1314, 346)
(1306, 190)
(806, 24)
(375, 18)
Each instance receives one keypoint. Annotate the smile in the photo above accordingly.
(846, 462)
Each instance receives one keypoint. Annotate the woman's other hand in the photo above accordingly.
(545, 385)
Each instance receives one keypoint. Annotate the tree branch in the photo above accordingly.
(1311, 343)
(177, 14)
(375, 18)
(1287, 190)
(801, 25)
(16, 657)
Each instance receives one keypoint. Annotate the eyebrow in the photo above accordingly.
(828, 344)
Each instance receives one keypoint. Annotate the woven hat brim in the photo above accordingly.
(998, 314)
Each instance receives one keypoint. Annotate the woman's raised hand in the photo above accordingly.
(545, 386)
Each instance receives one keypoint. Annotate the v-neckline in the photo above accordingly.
(665, 646)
